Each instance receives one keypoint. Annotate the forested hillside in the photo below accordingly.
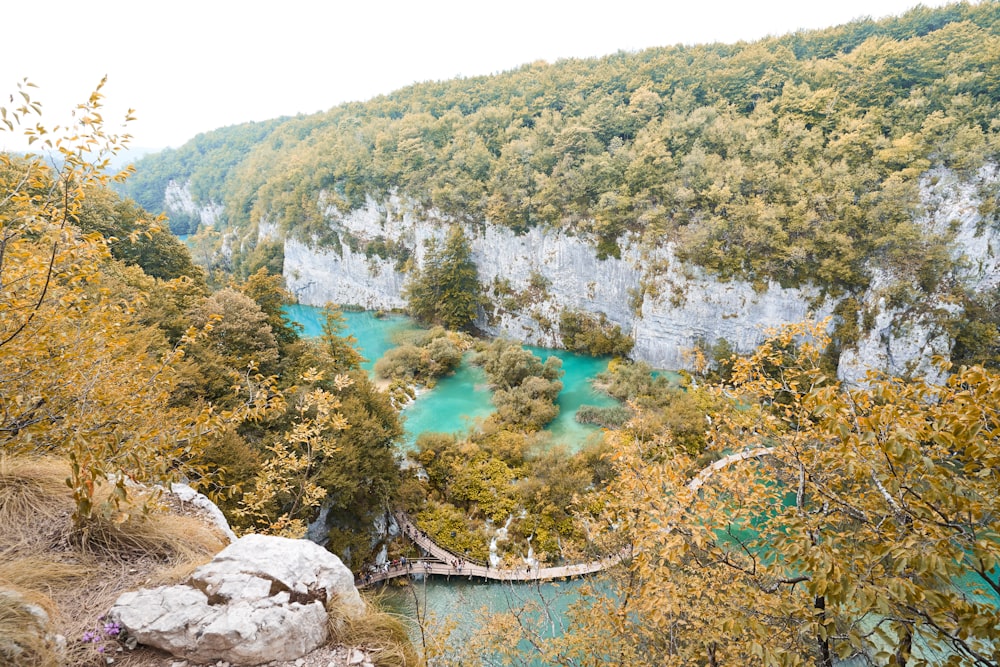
(861, 522)
(793, 158)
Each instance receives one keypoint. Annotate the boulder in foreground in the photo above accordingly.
(260, 599)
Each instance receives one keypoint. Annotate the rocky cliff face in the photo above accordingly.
(532, 277)
(903, 341)
(666, 305)
(177, 199)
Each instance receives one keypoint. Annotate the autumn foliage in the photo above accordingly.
(869, 529)
(115, 356)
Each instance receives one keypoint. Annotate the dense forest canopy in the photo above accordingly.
(116, 356)
(794, 158)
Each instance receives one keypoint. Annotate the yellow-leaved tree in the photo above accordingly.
(859, 522)
(81, 376)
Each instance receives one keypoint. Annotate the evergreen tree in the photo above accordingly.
(447, 291)
(339, 346)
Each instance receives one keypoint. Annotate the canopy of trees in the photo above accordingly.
(116, 356)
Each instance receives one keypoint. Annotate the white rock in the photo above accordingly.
(690, 303)
(261, 599)
(188, 495)
(177, 198)
(35, 622)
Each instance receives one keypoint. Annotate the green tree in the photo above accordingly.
(447, 290)
(340, 349)
(134, 236)
(237, 343)
(268, 290)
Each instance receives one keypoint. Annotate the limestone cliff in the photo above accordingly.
(903, 341)
(532, 277)
(177, 199)
(665, 304)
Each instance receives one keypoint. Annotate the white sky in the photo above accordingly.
(191, 66)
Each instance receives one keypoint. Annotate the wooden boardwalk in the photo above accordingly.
(441, 562)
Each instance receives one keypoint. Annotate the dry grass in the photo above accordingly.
(163, 537)
(76, 575)
(32, 489)
(41, 573)
(380, 634)
(25, 637)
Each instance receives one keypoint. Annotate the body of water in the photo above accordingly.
(465, 604)
(457, 401)
(374, 333)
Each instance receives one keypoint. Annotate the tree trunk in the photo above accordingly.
(825, 658)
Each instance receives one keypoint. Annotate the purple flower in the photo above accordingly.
(112, 629)
(89, 636)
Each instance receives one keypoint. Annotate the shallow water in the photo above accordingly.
(437, 602)
(578, 371)
(452, 406)
(459, 400)
(373, 333)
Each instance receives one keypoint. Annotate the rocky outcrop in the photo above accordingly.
(210, 510)
(177, 198)
(904, 341)
(259, 600)
(901, 342)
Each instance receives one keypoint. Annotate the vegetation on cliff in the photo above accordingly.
(792, 158)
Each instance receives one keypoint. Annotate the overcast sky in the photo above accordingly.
(190, 66)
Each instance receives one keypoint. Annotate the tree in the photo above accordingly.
(861, 522)
(268, 290)
(134, 237)
(508, 365)
(81, 376)
(237, 343)
(340, 349)
(593, 335)
(447, 290)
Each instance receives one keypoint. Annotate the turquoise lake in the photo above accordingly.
(468, 603)
(458, 400)
(374, 333)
